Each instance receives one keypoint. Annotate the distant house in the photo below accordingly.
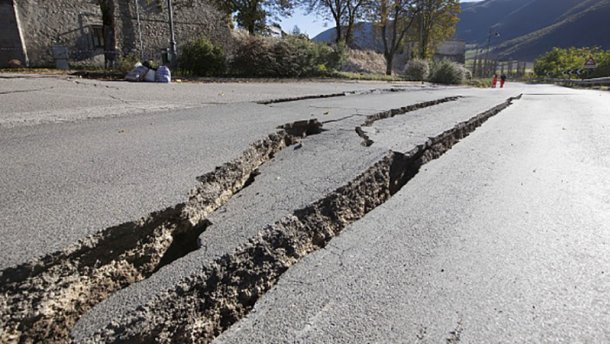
(274, 30)
(451, 50)
(30, 28)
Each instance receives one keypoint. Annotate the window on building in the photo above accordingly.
(97, 36)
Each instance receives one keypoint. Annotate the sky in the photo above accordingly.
(312, 24)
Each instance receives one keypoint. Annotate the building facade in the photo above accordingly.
(34, 27)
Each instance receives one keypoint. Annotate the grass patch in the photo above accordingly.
(365, 76)
(479, 82)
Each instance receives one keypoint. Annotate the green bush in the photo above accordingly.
(557, 62)
(417, 70)
(446, 72)
(289, 57)
(253, 57)
(202, 58)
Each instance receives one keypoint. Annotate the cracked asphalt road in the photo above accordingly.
(27, 100)
(63, 181)
(504, 237)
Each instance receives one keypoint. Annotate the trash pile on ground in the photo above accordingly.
(146, 72)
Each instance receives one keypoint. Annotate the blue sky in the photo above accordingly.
(311, 24)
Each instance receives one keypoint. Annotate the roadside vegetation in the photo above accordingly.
(562, 63)
(254, 56)
(422, 23)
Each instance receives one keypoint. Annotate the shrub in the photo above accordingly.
(446, 72)
(289, 57)
(557, 62)
(202, 58)
(333, 57)
(417, 70)
(253, 57)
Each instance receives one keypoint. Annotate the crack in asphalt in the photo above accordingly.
(220, 293)
(27, 91)
(41, 300)
(332, 95)
(366, 141)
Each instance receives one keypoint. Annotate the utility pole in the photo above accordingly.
(172, 40)
(421, 29)
(139, 30)
(488, 48)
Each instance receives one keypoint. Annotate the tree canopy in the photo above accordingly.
(558, 62)
(253, 14)
(437, 20)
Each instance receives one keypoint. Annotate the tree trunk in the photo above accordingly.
(338, 31)
(251, 28)
(389, 59)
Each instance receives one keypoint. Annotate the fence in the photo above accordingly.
(485, 68)
(573, 82)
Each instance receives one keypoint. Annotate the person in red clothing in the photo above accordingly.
(502, 80)
(494, 81)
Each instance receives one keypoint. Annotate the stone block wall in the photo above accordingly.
(192, 19)
(71, 23)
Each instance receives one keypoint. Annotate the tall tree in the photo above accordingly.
(437, 20)
(394, 19)
(253, 14)
(344, 13)
(355, 10)
(107, 7)
(337, 9)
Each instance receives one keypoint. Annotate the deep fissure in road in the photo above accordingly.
(41, 300)
(366, 141)
(206, 303)
(332, 95)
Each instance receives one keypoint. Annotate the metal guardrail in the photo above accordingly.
(573, 82)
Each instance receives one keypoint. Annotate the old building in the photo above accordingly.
(451, 50)
(32, 28)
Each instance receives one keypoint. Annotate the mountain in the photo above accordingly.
(526, 28)
(529, 28)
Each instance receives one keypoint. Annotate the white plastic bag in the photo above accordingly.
(163, 75)
(150, 75)
(137, 74)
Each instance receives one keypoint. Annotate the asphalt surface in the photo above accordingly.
(505, 238)
(293, 180)
(63, 181)
(27, 100)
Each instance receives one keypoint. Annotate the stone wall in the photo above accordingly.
(192, 19)
(71, 23)
(10, 41)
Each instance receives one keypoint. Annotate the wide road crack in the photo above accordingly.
(220, 293)
(42, 299)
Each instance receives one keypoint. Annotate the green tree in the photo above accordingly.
(344, 13)
(253, 14)
(558, 62)
(437, 20)
(393, 20)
